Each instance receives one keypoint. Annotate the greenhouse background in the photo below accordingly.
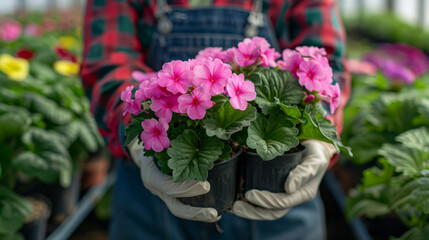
(379, 193)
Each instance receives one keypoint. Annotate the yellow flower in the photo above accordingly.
(15, 68)
(67, 42)
(66, 68)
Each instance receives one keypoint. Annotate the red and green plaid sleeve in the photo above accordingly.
(112, 51)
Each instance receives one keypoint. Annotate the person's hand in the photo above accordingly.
(301, 186)
(164, 187)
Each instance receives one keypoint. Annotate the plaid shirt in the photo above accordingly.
(117, 35)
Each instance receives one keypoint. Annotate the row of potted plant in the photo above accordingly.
(386, 123)
(46, 128)
(198, 117)
(389, 28)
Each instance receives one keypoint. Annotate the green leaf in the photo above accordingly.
(162, 158)
(226, 152)
(227, 120)
(361, 206)
(42, 71)
(405, 160)
(275, 86)
(46, 158)
(89, 120)
(11, 236)
(88, 137)
(192, 155)
(47, 107)
(13, 210)
(376, 176)
(415, 139)
(133, 130)
(14, 121)
(323, 131)
(415, 233)
(365, 145)
(46, 166)
(219, 101)
(291, 111)
(65, 177)
(392, 113)
(369, 208)
(272, 137)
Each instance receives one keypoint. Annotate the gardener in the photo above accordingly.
(126, 35)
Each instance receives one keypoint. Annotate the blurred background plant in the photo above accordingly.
(46, 129)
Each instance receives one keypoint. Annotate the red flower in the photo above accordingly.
(64, 54)
(25, 53)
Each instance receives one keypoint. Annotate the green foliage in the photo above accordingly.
(382, 119)
(272, 137)
(45, 125)
(48, 108)
(45, 155)
(389, 28)
(323, 130)
(400, 186)
(13, 121)
(227, 120)
(275, 86)
(192, 155)
(415, 233)
(13, 210)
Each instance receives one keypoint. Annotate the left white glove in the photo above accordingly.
(168, 191)
(301, 186)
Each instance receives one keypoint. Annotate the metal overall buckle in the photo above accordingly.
(164, 24)
(254, 21)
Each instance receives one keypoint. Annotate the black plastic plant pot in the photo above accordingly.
(267, 175)
(35, 227)
(222, 179)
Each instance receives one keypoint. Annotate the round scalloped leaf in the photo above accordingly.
(227, 120)
(275, 86)
(192, 155)
(272, 137)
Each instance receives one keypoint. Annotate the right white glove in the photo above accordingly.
(164, 187)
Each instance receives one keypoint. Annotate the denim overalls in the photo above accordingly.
(137, 213)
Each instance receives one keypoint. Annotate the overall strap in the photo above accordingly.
(255, 19)
(164, 24)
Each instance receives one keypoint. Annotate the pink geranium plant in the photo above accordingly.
(191, 113)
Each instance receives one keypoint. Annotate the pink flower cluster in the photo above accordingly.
(250, 52)
(184, 87)
(187, 87)
(10, 31)
(310, 66)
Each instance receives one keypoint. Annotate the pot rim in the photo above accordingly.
(287, 153)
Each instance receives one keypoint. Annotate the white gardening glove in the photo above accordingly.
(301, 186)
(164, 187)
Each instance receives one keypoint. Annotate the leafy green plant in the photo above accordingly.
(46, 129)
(399, 185)
(376, 114)
(389, 28)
